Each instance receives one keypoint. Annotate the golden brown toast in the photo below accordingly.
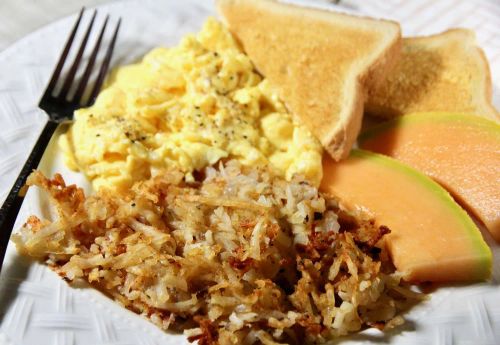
(444, 72)
(321, 62)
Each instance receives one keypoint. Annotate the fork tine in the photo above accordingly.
(104, 67)
(72, 72)
(88, 70)
(62, 58)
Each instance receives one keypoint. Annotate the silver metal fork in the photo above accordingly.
(59, 108)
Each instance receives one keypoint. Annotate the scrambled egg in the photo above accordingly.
(188, 106)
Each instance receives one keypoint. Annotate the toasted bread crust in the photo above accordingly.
(322, 62)
(443, 72)
(378, 71)
(487, 105)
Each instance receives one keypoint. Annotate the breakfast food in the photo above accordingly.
(432, 238)
(461, 152)
(188, 107)
(241, 256)
(321, 62)
(444, 72)
(206, 216)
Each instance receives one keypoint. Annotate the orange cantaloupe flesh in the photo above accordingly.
(461, 152)
(432, 238)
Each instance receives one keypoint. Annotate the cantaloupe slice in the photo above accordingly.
(432, 238)
(461, 152)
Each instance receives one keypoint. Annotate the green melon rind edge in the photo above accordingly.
(431, 117)
(485, 266)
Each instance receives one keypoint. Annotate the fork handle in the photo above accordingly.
(13, 202)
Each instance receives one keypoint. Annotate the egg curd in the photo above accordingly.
(188, 107)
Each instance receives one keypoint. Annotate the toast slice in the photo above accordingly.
(321, 62)
(444, 72)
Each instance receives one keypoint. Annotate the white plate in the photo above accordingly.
(36, 307)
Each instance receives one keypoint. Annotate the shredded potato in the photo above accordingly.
(238, 257)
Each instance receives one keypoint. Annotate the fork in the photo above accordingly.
(59, 108)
